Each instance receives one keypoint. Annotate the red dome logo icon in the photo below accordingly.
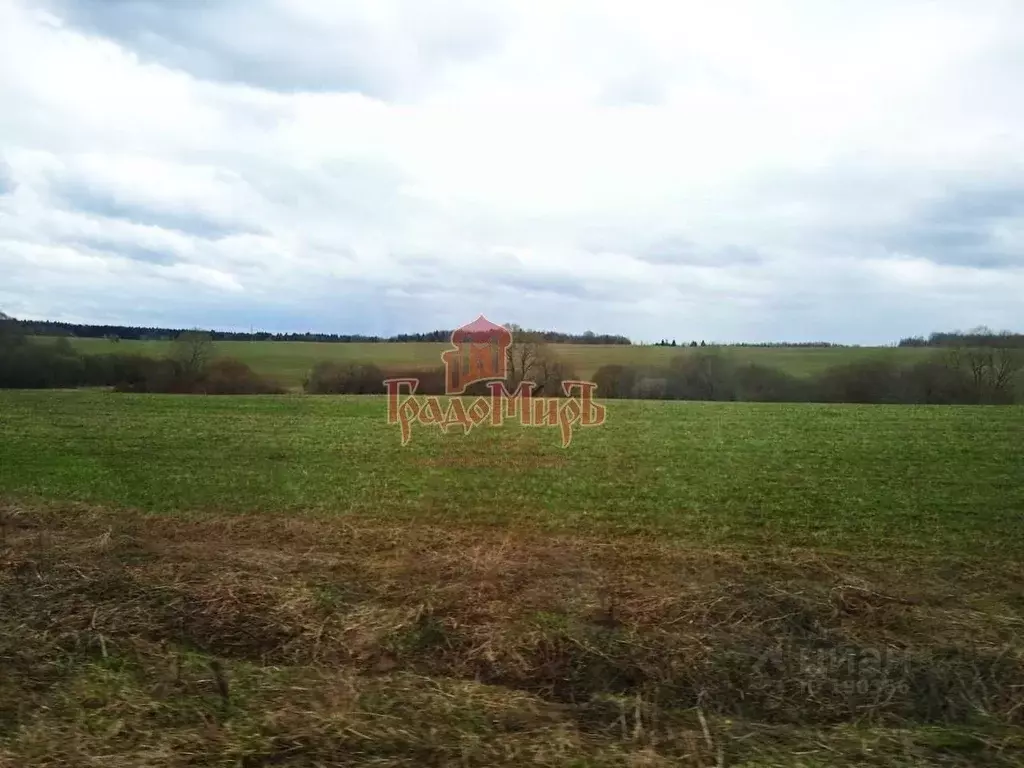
(479, 353)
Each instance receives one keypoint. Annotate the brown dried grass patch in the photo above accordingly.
(564, 621)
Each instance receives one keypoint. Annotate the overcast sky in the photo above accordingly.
(729, 171)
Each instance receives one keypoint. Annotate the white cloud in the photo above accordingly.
(741, 170)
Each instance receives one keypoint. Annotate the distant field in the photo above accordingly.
(252, 581)
(289, 361)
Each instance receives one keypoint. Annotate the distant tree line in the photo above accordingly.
(190, 367)
(972, 368)
(712, 374)
(780, 344)
(965, 376)
(958, 376)
(145, 333)
(801, 344)
(587, 337)
(978, 337)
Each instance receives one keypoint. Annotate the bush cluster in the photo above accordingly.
(347, 378)
(711, 375)
(33, 364)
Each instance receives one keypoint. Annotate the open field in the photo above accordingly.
(276, 580)
(288, 362)
(939, 479)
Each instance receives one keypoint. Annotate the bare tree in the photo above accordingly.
(992, 370)
(192, 351)
(530, 358)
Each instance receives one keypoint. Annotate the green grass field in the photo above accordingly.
(836, 476)
(251, 581)
(288, 362)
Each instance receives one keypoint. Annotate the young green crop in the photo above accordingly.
(935, 479)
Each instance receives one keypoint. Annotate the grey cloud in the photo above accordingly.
(360, 194)
(948, 219)
(640, 88)
(670, 250)
(533, 283)
(268, 45)
(682, 251)
(958, 229)
(81, 196)
(666, 248)
(497, 272)
(132, 251)
(982, 202)
(7, 183)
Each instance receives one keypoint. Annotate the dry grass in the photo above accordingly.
(143, 640)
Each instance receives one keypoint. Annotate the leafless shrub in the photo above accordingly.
(337, 378)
